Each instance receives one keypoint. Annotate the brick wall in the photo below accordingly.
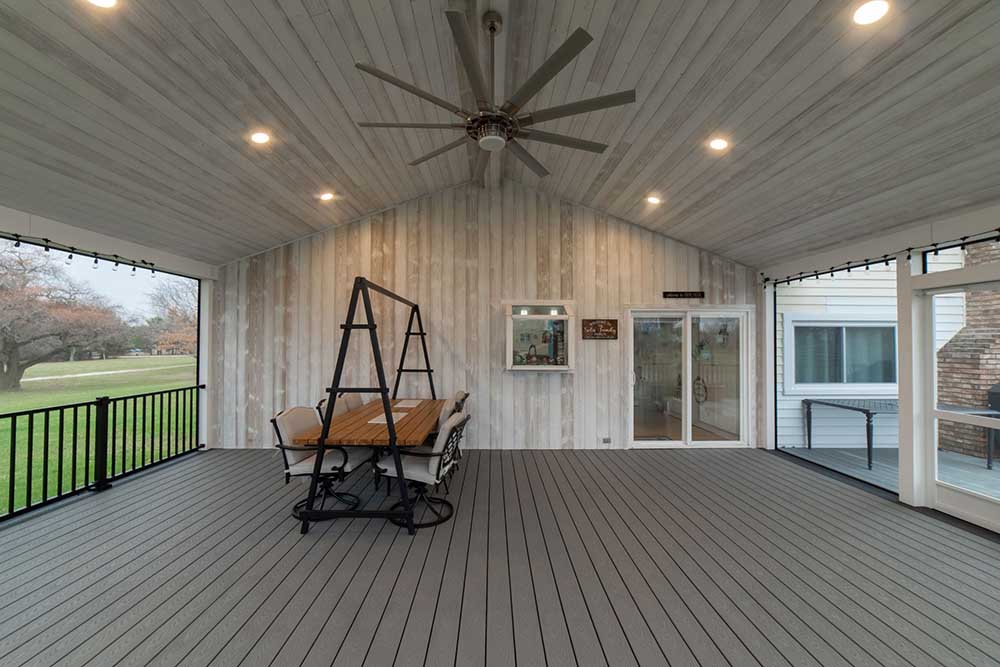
(969, 364)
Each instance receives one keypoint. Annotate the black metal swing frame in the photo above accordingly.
(362, 292)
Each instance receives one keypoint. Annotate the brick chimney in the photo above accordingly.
(969, 363)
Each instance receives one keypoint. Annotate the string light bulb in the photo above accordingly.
(17, 241)
(95, 263)
(69, 257)
(133, 271)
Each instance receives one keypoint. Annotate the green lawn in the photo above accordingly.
(152, 374)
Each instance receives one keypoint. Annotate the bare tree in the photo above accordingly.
(175, 301)
(44, 315)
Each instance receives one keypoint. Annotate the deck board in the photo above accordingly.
(553, 558)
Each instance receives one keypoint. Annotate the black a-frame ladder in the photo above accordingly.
(362, 291)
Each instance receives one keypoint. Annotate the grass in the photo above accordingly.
(152, 374)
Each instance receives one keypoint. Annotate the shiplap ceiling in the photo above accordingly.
(133, 121)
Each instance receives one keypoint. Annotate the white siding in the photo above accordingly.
(860, 294)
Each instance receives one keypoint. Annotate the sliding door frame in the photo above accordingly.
(745, 315)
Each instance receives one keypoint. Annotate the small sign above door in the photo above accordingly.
(600, 329)
(684, 295)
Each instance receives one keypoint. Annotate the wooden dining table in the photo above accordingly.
(355, 428)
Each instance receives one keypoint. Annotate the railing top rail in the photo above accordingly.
(70, 406)
(154, 393)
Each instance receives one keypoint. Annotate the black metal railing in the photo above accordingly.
(50, 453)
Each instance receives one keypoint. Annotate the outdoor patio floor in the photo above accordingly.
(967, 472)
(654, 557)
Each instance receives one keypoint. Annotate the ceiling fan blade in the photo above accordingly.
(527, 158)
(562, 140)
(573, 108)
(570, 49)
(410, 88)
(479, 169)
(443, 149)
(429, 126)
(467, 53)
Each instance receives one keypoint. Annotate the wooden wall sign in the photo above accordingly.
(683, 295)
(600, 329)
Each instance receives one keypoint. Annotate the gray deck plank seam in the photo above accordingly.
(568, 586)
(316, 551)
(221, 597)
(903, 515)
(840, 582)
(610, 560)
(535, 541)
(949, 581)
(190, 520)
(48, 536)
(601, 467)
(840, 576)
(748, 549)
(386, 630)
(599, 595)
(84, 542)
(408, 630)
(88, 617)
(641, 546)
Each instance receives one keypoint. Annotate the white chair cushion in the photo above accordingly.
(414, 468)
(447, 410)
(356, 456)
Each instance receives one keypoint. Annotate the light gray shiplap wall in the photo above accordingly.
(458, 253)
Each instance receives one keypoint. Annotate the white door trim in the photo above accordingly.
(743, 312)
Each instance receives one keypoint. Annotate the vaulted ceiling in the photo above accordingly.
(134, 121)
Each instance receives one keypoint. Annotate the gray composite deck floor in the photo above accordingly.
(715, 557)
(965, 471)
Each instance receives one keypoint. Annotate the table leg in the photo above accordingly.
(991, 441)
(869, 434)
(809, 424)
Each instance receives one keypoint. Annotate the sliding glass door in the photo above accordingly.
(689, 378)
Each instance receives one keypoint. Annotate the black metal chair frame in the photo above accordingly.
(326, 490)
(403, 510)
(447, 458)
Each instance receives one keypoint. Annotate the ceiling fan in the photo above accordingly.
(494, 127)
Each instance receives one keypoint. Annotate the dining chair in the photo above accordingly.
(339, 408)
(299, 460)
(460, 397)
(423, 470)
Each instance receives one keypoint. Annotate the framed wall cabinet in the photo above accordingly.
(540, 335)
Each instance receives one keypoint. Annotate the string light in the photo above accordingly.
(935, 249)
(886, 258)
(71, 251)
(867, 265)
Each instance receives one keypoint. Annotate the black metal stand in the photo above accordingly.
(402, 511)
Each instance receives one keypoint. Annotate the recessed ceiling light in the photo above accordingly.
(871, 12)
(260, 137)
(106, 4)
(653, 199)
(718, 144)
(326, 196)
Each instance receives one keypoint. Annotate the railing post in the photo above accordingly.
(101, 444)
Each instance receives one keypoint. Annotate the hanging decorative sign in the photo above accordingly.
(684, 295)
(600, 329)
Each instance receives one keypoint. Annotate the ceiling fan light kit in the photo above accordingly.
(494, 128)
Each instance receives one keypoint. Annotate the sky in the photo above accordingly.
(118, 287)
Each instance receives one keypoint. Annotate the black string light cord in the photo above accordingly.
(72, 251)
(868, 262)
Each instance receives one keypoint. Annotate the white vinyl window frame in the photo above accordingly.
(569, 316)
(928, 490)
(816, 389)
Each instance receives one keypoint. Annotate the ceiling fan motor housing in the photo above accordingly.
(491, 131)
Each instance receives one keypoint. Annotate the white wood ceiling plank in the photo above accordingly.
(904, 75)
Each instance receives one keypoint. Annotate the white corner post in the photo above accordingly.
(766, 317)
(205, 361)
(915, 380)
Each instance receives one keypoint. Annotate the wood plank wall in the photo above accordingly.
(458, 253)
